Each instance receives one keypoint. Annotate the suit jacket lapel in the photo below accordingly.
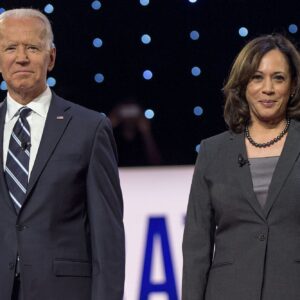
(242, 173)
(3, 188)
(285, 164)
(57, 120)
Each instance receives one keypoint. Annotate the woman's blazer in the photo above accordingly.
(232, 248)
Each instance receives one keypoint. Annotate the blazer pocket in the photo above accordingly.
(64, 267)
(66, 157)
(221, 263)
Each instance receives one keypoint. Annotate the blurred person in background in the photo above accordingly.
(135, 141)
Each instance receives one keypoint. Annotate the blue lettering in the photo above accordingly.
(157, 228)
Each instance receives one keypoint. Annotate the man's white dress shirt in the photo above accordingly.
(36, 120)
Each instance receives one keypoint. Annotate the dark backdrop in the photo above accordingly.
(172, 92)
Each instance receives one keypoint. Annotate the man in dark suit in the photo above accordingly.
(61, 210)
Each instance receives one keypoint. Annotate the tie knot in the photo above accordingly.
(24, 111)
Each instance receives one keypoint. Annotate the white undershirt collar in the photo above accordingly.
(39, 105)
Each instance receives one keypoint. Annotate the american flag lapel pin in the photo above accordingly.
(59, 117)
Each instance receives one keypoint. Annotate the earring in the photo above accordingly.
(292, 95)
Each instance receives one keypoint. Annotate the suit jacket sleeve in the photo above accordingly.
(198, 240)
(105, 212)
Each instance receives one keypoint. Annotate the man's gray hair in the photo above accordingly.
(30, 12)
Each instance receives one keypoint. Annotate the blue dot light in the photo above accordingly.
(99, 78)
(293, 28)
(193, 1)
(147, 74)
(51, 81)
(243, 31)
(197, 148)
(149, 114)
(196, 71)
(2, 10)
(194, 35)
(198, 111)
(97, 42)
(3, 86)
(144, 2)
(96, 5)
(146, 39)
(49, 8)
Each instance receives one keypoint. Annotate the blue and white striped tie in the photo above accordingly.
(17, 162)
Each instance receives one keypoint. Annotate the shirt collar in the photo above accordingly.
(39, 105)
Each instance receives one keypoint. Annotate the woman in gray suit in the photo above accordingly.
(242, 232)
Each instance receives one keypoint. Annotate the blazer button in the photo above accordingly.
(20, 227)
(11, 266)
(261, 237)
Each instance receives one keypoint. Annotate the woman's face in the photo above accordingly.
(269, 89)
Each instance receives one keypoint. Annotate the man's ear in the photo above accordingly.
(52, 53)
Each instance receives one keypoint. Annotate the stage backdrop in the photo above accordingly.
(155, 201)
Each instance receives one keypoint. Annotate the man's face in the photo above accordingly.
(25, 57)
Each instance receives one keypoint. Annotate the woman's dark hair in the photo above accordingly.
(236, 110)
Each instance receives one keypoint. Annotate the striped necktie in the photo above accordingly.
(17, 162)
